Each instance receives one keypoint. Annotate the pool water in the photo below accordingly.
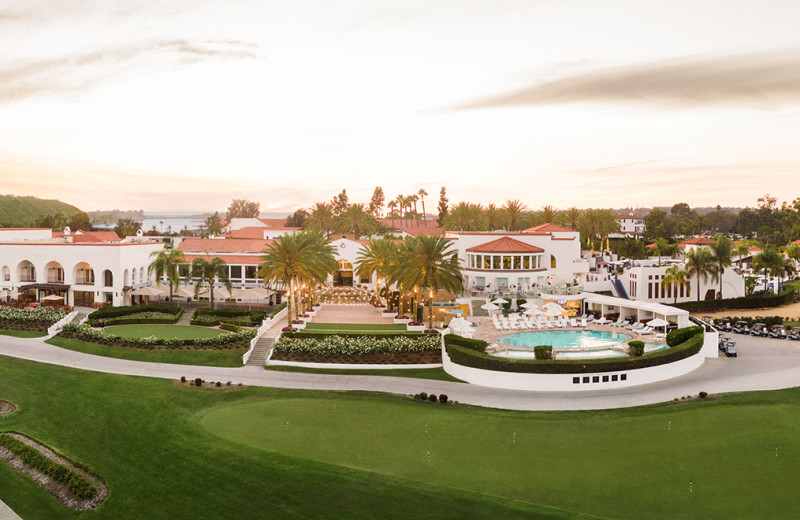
(564, 339)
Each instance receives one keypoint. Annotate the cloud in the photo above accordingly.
(82, 71)
(759, 80)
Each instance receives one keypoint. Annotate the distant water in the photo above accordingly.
(171, 224)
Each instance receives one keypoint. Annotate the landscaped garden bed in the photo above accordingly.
(34, 320)
(241, 317)
(335, 348)
(225, 340)
(134, 314)
(68, 482)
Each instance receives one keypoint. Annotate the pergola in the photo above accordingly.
(642, 310)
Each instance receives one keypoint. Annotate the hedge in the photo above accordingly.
(636, 348)
(308, 334)
(36, 315)
(745, 302)
(115, 315)
(223, 341)
(212, 317)
(769, 321)
(341, 346)
(475, 344)
(678, 336)
(543, 352)
(471, 358)
(77, 484)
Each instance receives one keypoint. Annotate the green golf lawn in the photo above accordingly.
(218, 358)
(163, 331)
(420, 373)
(169, 451)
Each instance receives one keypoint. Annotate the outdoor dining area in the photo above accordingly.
(252, 296)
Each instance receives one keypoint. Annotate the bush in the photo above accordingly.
(702, 395)
(745, 302)
(636, 348)
(678, 336)
(320, 333)
(443, 398)
(44, 315)
(198, 382)
(423, 396)
(477, 345)
(432, 398)
(107, 315)
(330, 344)
(231, 327)
(543, 352)
(219, 384)
(183, 379)
(471, 358)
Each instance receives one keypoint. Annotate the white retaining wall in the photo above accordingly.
(344, 366)
(564, 382)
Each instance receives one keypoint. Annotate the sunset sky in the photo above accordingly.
(184, 105)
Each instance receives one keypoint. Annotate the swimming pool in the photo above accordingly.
(564, 339)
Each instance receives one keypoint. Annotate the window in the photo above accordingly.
(480, 281)
(250, 271)
(586, 379)
(552, 262)
(487, 262)
(517, 262)
(576, 380)
(495, 262)
(236, 271)
(506, 262)
(623, 377)
(605, 379)
(614, 377)
(595, 379)
(365, 278)
(526, 262)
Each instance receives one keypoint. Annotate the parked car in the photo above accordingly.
(777, 332)
(759, 329)
(741, 327)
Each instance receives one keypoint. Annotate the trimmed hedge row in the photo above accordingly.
(745, 302)
(77, 484)
(304, 334)
(116, 315)
(678, 336)
(230, 340)
(477, 345)
(465, 356)
(212, 317)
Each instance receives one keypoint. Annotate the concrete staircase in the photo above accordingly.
(78, 317)
(260, 352)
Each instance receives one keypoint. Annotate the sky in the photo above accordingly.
(185, 105)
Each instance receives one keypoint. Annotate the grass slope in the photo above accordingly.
(23, 333)
(219, 358)
(22, 211)
(163, 331)
(420, 373)
(142, 437)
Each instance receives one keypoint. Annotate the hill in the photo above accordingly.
(22, 211)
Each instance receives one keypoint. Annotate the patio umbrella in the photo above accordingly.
(240, 293)
(257, 293)
(533, 312)
(552, 306)
(489, 307)
(554, 312)
(529, 305)
(149, 290)
(52, 298)
(186, 291)
(13, 294)
(658, 322)
(3, 294)
(499, 301)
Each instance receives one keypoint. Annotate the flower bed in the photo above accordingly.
(135, 314)
(37, 319)
(212, 317)
(233, 340)
(359, 349)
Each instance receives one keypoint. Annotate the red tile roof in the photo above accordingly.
(223, 245)
(796, 242)
(548, 228)
(699, 241)
(426, 227)
(276, 223)
(505, 245)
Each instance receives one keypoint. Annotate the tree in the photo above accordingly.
(127, 227)
(320, 218)
(700, 265)
(660, 246)
(514, 214)
(656, 225)
(340, 203)
(297, 219)
(442, 206)
(293, 260)
(432, 263)
(375, 257)
(55, 222)
(213, 224)
(356, 221)
(793, 252)
(675, 277)
(166, 264)
(606, 224)
(548, 214)
(493, 217)
(721, 254)
(422, 194)
(742, 250)
(209, 271)
(770, 261)
(413, 199)
(242, 208)
(376, 203)
(465, 217)
(572, 217)
(392, 207)
(588, 226)
(80, 221)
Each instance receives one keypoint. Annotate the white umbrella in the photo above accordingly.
(3, 293)
(257, 293)
(240, 293)
(658, 322)
(52, 298)
(489, 307)
(529, 305)
(553, 312)
(553, 306)
(187, 291)
(149, 290)
(533, 312)
(499, 301)
(14, 294)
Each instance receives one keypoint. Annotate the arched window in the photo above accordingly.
(345, 265)
(108, 278)
(552, 262)
(6, 274)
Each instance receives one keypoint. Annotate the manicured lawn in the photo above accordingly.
(356, 327)
(219, 358)
(23, 333)
(421, 373)
(163, 331)
(142, 437)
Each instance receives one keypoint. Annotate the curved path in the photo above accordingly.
(763, 364)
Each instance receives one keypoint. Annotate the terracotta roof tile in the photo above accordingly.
(505, 245)
(223, 245)
(548, 228)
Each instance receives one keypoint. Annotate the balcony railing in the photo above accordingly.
(84, 281)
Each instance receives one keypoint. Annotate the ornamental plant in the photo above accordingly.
(332, 345)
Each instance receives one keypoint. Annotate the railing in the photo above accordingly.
(267, 324)
(56, 327)
(55, 279)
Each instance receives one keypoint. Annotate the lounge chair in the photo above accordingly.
(645, 331)
(573, 323)
(620, 321)
(583, 323)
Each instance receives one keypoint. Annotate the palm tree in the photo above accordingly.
(515, 214)
(721, 253)
(464, 216)
(675, 277)
(376, 257)
(392, 206)
(320, 217)
(587, 225)
(357, 221)
(660, 246)
(293, 260)
(572, 217)
(742, 250)
(493, 217)
(432, 263)
(209, 271)
(606, 224)
(413, 198)
(165, 264)
(548, 214)
(770, 260)
(422, 194)
(700, 264)
(401, 206)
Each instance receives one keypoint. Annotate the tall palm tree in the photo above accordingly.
(572, 217)
(392, 206)
(413, 199)
(165, 264)
(376, 257)
(432, 263)
(660, 246)
(515, 214)
(209, 271)
(401, 206)
(742, 250)
(320, 217)
(700, 264)
(548, 214)
(721, 253)
(293, 260)
(422, 194)
(356, 220)
(493, 217)
(606, 224)
(770, 261)
(675, 277)
(464, 216)
(588, 226)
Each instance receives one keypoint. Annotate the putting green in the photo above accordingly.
(163, 331)
(621, 464)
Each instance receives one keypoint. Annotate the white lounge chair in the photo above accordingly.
(583, 322)
(645, 331)
(573, 323)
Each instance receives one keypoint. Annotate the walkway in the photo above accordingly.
(349, 313)
(6, 513)
(763, 364)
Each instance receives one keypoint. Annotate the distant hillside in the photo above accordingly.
(22, 211)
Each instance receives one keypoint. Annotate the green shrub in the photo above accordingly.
(319, 334)
(678, 336)
(423, 396)
(636, 348)
(343, 345)
(475, 344)
(468, 357)
(279, 309)
(443, 398)
(198, 382)
(44, 315)
(231, 327)
(543, 352)
(432, 398)
(745, 302)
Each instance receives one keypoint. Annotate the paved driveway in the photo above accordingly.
(763, 364)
